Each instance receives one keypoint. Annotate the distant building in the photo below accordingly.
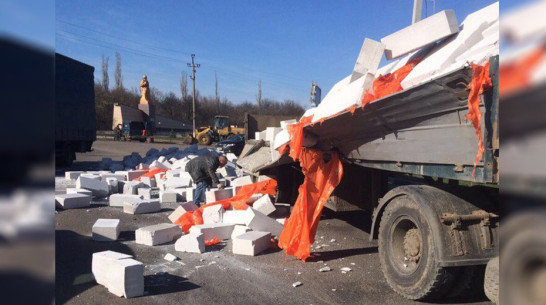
(163, 125)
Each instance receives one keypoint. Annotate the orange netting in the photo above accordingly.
(237, 202)
(213, 241)
(480, 82)
(389, 83)
(296, 136)
(321, 178)
(516, 75)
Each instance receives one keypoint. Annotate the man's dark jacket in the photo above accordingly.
(203, 168)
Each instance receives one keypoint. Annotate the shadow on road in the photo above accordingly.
(166, 283)
(337, 254)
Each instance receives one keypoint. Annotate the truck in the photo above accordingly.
(75, 119)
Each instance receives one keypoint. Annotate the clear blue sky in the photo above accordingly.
(286, 44)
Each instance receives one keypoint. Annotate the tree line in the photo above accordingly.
(180, 108)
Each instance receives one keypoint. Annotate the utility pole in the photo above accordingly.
(417, 10)
(259, 97)
(193, 65)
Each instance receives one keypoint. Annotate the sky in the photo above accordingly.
(285, 44)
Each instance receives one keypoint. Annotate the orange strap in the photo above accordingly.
(480, 82)
(321, 178)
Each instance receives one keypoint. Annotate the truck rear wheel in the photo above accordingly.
(205, 139)
(491, 281)
(407, 253)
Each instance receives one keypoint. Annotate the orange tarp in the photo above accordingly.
(480, 82)
(321, 178)
(389, 83)
(296, 136)
(516, 75)
(237, 202)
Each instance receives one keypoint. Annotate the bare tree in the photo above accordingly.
(118, 78)
(105, 79)
(184, 85)
(259, 97)
(216, 92)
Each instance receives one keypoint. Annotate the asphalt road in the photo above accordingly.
(218, 276)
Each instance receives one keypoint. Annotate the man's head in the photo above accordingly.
(144, 76)
(222, 160)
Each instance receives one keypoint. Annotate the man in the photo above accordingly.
(203, 172)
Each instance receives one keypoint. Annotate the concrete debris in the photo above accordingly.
(332, 240)
(192, 243)
(119, 273)
(346, 269)
(157, 234)
(142, 206)
(296, 284)
(106, 229)
(72, 201)
(251, 243)
(325, 269)
(170, 257)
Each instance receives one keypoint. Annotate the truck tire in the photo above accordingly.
(205, 139)
(407, 253)
(469, 283)
(491, 280)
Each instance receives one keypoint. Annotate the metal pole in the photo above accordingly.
(417, 10)
(193, 66)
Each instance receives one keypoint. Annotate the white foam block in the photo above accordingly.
(175, 182)
(220, 230)
(117, 200)
(127, 279)
(100, 265)
(157, 234)
(168, 196)
(237, 217)
(192, 243)
(182, 209)
(271, 132)
(420, 34)
(238, 230)
(368, 59)
(288, 122)
(142, 207)
(251, 243)
(72, 175)
(145, 192)
(213, 214)
(260, 222)
(73, 190)
(72, 201)
(214, 195)
(97, 187)
(131, 187)
(106, 229)
(131, 175)
(264, 205)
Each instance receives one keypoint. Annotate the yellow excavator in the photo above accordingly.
(221, 130)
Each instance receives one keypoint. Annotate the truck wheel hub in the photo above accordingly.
(412, 245)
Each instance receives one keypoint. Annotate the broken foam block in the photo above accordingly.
(251, 243)
(106, 229)
(157, 234)
(218, 194)
(237, 217)
(192, 243)
(142, 207)
(101, 265)
(131, 187)
(127, 279)
(368, 59)
(73, 190)
(238, 230)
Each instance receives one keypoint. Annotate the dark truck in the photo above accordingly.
(75, 120)
(408, 160)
